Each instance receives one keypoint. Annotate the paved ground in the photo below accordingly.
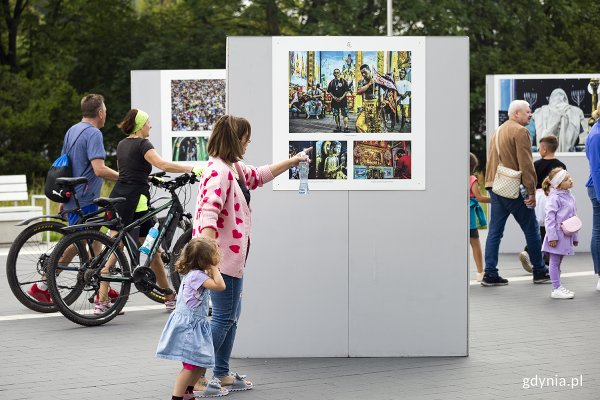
(519, 340)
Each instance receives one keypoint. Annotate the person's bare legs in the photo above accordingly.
(187, 378)
(66, 258)
(158, 267)
(477, 254)
(112, 260)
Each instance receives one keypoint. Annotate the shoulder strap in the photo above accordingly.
(80, 133)
(76, 139)
(497, 146)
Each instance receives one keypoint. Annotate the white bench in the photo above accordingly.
(14, 188)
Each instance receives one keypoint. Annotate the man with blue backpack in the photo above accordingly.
(84, 147)
(84, 144)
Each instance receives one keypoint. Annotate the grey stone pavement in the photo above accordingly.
(519, 339)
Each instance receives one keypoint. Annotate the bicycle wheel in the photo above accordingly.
(27, 261)
(81, 275)
(179, 244)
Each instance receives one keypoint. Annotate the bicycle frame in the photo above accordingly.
(125, 236)
(132, 245)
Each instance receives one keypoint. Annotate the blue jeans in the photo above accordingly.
(501, 209)
(595, 245)
(226, 309)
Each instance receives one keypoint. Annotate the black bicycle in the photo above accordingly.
(100, 258)
(28, 256)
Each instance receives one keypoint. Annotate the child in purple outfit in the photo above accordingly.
(559, 207)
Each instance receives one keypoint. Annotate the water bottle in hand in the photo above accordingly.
(303, 172)
(524, 193)
(150, 238)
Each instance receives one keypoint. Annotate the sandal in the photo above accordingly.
(211, 389)
(239, 383)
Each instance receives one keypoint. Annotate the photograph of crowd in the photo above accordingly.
(561, 107)
(196, 104)
(189, 148)
(328, 159)
(349, 91)
(382, 160)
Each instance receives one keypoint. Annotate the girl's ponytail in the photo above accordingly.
(546, 185)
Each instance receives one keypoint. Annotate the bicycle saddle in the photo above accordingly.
(106, 202)
(71, 181)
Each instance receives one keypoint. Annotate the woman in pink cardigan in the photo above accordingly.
(223, 213)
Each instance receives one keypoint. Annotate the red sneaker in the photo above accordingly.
(43, 296)
(113, 295)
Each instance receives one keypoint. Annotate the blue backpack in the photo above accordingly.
(61, 168)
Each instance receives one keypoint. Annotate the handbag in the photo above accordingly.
(507, 180)
(571, 225)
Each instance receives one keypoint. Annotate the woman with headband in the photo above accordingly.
(135, 158)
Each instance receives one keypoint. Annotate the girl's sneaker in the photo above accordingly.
(101, 307)
(479, 276)
(598, 285)
(561, 293)
(171, 304)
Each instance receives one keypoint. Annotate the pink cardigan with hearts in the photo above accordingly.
(221, 205)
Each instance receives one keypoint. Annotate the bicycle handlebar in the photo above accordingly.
(175, 183)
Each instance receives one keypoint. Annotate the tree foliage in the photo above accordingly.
(52, 52)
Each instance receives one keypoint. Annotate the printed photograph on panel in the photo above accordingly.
(328, 159)
(196, 104)
(349, 91)
(189, 148)
(382, 160)
(561, 107)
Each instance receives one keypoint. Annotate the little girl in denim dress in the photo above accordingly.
(560, 206)
(187, 336)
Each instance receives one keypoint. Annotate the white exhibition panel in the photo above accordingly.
(513, 240)
(343, 273)
(360, 273)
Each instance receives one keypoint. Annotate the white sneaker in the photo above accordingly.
(525, 261)
(479, 276)
(567, 290)
(562, 293)
(598, 285)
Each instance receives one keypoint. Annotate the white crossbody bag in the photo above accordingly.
(507, 180)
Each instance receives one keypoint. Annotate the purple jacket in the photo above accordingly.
(559, 207)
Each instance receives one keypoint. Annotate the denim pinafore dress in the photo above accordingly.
(187, 336)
